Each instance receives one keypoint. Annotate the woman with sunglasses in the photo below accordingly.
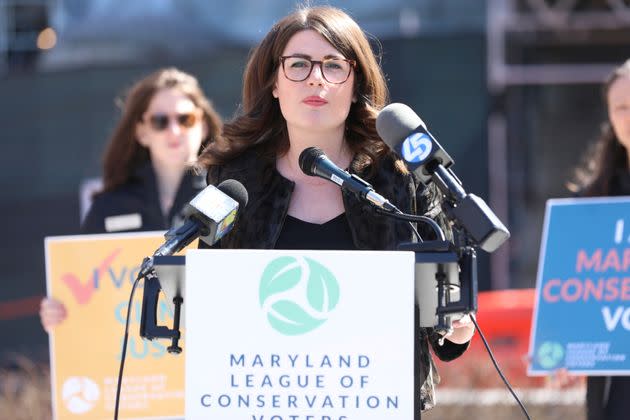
(166, 122)
(314, 81)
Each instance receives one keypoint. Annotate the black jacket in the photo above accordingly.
(135, 206)
(608, 397)
(261, 222)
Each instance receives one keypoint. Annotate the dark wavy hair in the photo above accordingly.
(260, 123)
(607, 156)
(124, 154)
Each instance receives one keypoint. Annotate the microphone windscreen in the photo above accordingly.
(235, 190)
(307, 159)
(395, 122)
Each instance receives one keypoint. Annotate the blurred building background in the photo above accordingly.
(511, 89)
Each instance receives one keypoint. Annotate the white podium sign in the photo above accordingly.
(299, 335)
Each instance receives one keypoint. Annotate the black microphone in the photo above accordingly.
(210, 215)
(403, 130)
(314, 162)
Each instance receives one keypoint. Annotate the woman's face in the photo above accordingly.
(315, 103)
(619, 109)
(172, 128)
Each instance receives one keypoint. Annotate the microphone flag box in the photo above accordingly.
(92, 276)
(581, 318)
(215, 210)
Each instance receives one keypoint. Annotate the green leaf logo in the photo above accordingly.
(297, 294)
(323, 290)
(281, 274)
(550, 354)
(290, 319)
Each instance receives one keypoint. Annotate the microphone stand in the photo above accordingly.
(148, 320)
(176, 239)
(445, 273)
(446, 282)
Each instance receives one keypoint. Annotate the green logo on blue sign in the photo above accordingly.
(550, 354)
(297, 294)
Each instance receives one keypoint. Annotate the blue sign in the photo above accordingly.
(582, 312)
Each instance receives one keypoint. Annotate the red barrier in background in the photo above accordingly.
(505, 318)
(18, 308)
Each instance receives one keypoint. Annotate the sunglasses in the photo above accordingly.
(160, 122)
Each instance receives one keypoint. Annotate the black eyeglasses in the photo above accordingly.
(334, 70)
(160, 122)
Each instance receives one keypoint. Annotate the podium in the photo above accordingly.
(292, 334)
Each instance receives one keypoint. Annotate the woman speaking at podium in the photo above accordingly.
(315, 81)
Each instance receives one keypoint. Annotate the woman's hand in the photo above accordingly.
(52, 313)
(562, 379)
(463, 330)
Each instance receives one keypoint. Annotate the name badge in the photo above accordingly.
(123, 222)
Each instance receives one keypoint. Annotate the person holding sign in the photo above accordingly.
(166, 122)
(607, 173)
(315, 81)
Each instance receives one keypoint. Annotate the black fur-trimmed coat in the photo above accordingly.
(260, 223)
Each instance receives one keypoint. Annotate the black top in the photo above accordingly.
(135, 205)
(298, 234)
(618, 405)
(607, 397)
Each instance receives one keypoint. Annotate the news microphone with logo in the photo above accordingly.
(403, 130)
(314, 162)
(209, 216)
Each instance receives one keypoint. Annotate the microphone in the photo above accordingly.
(403, 130)
(314, 162)
(210, 215)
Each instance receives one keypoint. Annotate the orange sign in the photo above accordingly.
(92, 275)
